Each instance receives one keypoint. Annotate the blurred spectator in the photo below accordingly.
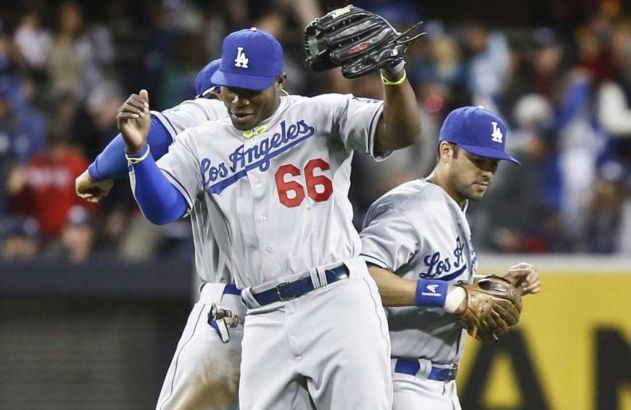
(488, 64)
(44, 188)
(605, 209)
(286, 20)
(157, 49)
(580, 143)
(440, 64)
(179, 74)
(20, 238)
(593, 47)
(400, 13)
(32, 39)
(77, 237)
(79, 53)
(63, 61)
(614, 96)
(20, 134)
(94, 123)
(546, 68)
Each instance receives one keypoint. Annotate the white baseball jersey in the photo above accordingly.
(210, 264)
(278, 200)
(418, 231)
(190, 113)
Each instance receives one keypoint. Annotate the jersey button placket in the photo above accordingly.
(257, 188)
(256, 180)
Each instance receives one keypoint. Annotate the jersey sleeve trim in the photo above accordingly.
(382, 156)
(166, 122)
(369, 259)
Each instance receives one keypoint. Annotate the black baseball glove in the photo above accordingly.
(356, 40)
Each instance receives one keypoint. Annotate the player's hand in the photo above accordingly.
(134, 121)
(91, 190)
(221, 320)
(525, 277)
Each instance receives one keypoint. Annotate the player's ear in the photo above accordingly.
(217, 93)
(445, 150)
(280, 81)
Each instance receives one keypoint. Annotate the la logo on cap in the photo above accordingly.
(496, 136)
(242, 60)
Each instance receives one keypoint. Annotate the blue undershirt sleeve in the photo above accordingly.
(159, 201)
(111, 163)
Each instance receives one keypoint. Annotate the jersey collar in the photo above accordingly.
(263, 125)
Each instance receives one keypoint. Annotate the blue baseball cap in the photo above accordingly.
(203, 84)
(250, 59)
(478, 131)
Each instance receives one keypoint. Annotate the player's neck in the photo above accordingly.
(440, 178)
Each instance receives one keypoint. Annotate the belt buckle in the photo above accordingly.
(280, 296)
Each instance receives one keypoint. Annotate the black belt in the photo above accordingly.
(291, 290)
(231, 289)
(412, 367)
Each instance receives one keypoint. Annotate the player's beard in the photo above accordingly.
(471, 190)
(475, 191)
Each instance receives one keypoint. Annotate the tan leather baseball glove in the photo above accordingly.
(493, 305)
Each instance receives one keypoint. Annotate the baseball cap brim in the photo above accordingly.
(236, 80)
(488, 153)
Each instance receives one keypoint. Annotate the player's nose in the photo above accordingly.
(237, 100)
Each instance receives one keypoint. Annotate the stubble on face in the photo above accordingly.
(470, 177)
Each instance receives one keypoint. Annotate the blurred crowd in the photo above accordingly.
(66, 66)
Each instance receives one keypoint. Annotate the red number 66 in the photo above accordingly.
(291, 193)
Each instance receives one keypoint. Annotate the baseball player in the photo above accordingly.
(417, 243)
(96, 182)
(204, 371)
(274, 179)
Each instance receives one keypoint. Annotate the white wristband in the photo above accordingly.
(455, 296)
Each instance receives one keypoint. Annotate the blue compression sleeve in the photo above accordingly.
(111, 163)
(159, 201)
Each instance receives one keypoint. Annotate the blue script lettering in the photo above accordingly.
(458, 252)
(474, 258)
(241, 160)
(435, 265)
(210, 173)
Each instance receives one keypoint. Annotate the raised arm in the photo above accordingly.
(96, 182)
(157, 198)
(360, 42)
(400, 124)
